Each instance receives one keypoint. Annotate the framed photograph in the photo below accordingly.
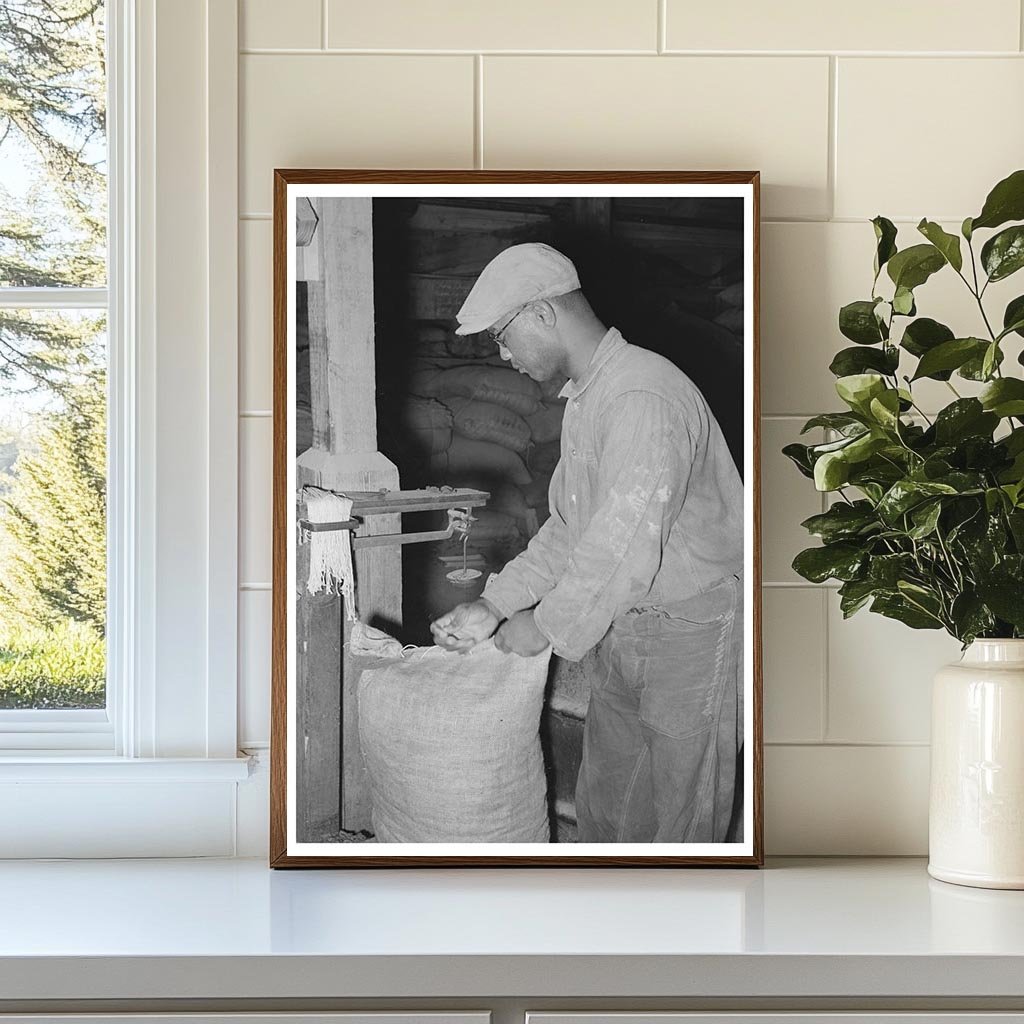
(516, 555)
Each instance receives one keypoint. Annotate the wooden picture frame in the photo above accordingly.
(357, 252)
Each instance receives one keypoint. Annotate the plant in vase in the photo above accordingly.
(927, 521)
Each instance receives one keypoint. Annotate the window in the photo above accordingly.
(53, 370)
(169, 289)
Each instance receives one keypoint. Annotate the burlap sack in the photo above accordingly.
(487, 421)
(452, 746)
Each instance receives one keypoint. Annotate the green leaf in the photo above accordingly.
(925, 518)
(971, 617)
(885, 409)
(1003, 254)
(924, 334)
(854, 595)
(974, 368)
(857, 322)
(950, 355)
(1006, 599)
(887, 570)
(903, 302)
(947, 244)
(885, 236)
(842, 521)
(858, 389)
(831, 471)
(849, 361)
(906, 494)
(840, 561)
(990, 360)
(1004, 397)
(1005, 202)
(966, 417)
(1013, 317)
(841, 421)
(799, 455)
(965, 229)
(912, 267)
(897, 607)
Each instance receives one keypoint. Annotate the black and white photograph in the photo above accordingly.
(515, 554)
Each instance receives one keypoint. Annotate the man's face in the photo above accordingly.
(528, 344)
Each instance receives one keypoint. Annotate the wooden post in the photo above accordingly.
(331, 782)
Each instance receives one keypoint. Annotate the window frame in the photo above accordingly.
(74, 729)
(172, 463)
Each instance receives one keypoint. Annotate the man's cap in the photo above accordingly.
(516, 276)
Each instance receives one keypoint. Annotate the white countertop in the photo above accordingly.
(234, 928)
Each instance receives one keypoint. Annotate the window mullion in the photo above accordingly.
(53, 298)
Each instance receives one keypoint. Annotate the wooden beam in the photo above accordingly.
(332, 780)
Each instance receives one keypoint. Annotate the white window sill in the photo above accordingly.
(76, 766)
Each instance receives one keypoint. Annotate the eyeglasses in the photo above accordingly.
(496, 336)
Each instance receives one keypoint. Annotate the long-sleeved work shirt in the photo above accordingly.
(646, 502)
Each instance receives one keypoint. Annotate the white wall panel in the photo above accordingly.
(869, 25)
(351, 111)
(793, 629)
(256, 303)
(846, 800)
(961, 129)
(255, 507)
(682, 113)
(471, 25)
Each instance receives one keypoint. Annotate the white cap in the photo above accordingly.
(516, 276)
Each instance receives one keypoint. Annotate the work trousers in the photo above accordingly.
(665, 723)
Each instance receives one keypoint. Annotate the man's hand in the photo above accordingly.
(520, 635)
(466, 625)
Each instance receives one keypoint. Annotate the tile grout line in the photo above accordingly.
(323, 24)
(478, 111)
(1020, 23)
(663, 26)
(336, 51)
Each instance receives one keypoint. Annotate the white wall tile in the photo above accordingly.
(880, 676)
(272, 25)
(846, 801)
(255, 316)
(255, 502)
(808, 272)
(787, 499)
(680, 113)
(961, 129)
(793, 632)
(351, 111)
(254, 616)
(471, 25)
(869, 25)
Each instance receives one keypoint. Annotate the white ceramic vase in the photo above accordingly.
(976, 813)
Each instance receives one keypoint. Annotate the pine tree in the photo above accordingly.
(53, 520)
(52, 116)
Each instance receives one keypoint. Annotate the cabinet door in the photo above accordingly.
(786, 1017)
(356, 1017)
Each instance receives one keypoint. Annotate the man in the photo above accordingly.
(642, 556)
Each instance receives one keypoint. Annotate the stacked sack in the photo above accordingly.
(479, 423)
